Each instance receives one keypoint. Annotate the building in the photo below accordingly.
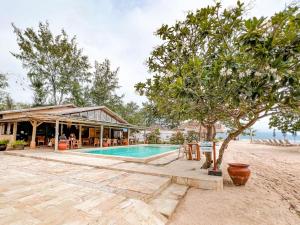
(184, 127)
(41, 124)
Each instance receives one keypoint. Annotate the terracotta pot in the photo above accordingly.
(62, 145)
(239, 173)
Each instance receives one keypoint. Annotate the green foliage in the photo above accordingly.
(218, 66)
(3, 94)
(286, 121)
(192, 136)
(57, 69)
(154, 137)
(4, 142)
(104, 86)
(18, 142)
(177, 138)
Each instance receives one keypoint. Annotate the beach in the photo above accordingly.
(271, 196)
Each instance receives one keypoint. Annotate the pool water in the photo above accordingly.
(142, 151)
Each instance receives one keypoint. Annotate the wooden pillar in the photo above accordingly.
(32, 143)
(1, 129)
(15, 131)
(144, 136)
(109, 133)
(61, 129)
(56, 135)
(79, 138)
(8, 129)
(101, 136)
(128, 133)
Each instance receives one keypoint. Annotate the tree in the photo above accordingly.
(154, 137)
(218, 66)
(57, 68)
(132, 113)
(192, 136)
(3, 85)
(3, 94)
(177, 138)
(105, 83)
(249, 132)
(287, 121)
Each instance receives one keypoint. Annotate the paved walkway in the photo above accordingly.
(36, 191)
(181, 171)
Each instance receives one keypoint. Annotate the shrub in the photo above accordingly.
(177, 138)
(18, 142)
(4, 142)
(154, 137)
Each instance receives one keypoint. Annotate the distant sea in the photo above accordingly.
(267, 135)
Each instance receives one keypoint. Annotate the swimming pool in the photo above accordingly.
(135, 151)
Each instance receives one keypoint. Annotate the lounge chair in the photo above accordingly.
(288, 143)
(277, 142)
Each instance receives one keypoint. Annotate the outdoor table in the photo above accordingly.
(190, 157)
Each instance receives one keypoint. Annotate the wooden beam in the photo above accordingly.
(101, 136)
(33, 136)
(56, 135)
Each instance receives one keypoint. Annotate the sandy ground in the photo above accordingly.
(271, 196)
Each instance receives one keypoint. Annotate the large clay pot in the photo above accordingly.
(62, 145)
(239, 173)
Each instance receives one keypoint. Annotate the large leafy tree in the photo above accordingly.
(217, 65)
(105, 85)
(57, 68)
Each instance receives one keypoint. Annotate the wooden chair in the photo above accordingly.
(114, 142)
(86, 141)
(96, 142)
(108, 141)
(40, 139)
(184, 149)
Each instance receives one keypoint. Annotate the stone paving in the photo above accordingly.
(181, 171)
(34, 191)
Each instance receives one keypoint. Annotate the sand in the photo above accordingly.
(271, 196)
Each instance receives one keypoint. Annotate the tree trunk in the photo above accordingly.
(230, 137)
(210, 134)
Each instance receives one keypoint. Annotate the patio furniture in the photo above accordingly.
(108, 141)
(184, 149)
(124, 142)
(114, 142)
(96, 142)
(85, 141)
(288, 143)
(40, 139)
(194, 149)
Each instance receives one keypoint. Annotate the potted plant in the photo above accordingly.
(18, 145)
(3, 144)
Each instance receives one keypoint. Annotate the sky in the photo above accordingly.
(119, 30)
